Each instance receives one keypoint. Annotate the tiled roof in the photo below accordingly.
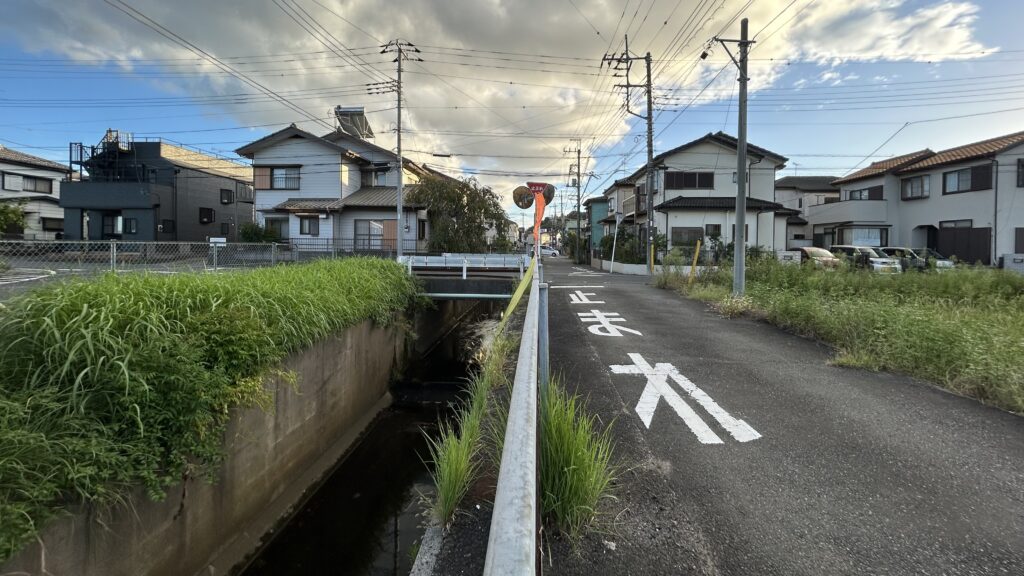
(366, 197)
(982, 149)
(808, 183)
(883, 166)
(796, 220)
(717, 203)
(9, 155)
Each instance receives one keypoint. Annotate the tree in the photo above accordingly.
(11, 214)
(460, 212)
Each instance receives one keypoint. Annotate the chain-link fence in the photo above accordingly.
(25, 264)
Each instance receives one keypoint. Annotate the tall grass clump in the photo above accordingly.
(458, 452)
(962, 329)
(575, 461)
(129, 380)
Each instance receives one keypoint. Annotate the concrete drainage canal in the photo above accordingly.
(367, 516)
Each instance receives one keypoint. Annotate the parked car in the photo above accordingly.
(919, 259)
(818, 257)
(546, 250)
(865, 257)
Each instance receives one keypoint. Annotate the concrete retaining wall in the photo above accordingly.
(634, 269)
(272, 458)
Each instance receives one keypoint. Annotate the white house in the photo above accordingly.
(335, 192)
(964, 202)
(35, 183)
(800, 193)
(695, 195)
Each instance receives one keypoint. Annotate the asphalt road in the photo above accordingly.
(770, 461)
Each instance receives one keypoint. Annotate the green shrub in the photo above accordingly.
(129, 379)
(575, 461)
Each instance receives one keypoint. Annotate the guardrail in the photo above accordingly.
(512, 543)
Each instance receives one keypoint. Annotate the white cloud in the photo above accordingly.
(826, 32)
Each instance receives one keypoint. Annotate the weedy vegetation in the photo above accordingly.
(962, 329)
(576, 470)
(129, 380)
(460, 451)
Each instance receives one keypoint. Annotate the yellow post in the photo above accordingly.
(693, 265)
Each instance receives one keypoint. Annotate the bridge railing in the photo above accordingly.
(512, 543)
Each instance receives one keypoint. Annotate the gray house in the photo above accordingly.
(154, 190)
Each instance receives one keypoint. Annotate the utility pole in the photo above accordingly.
(400, 47)
(624, 62)
(577, 183)
(740, 236)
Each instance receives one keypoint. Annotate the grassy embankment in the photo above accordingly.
(575, 458)
(962, 329)
(129, 380)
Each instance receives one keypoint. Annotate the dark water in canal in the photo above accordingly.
(368, 516)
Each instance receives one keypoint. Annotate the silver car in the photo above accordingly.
(865, 257)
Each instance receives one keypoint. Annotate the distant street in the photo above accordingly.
(744, 452)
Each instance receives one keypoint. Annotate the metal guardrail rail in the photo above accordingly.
(506, 261)
(512, 543)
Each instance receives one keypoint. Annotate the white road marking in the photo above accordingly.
(574, 287)
(580, 297)
(604, 326)
(658, 387)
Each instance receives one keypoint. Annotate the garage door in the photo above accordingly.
(967, 244)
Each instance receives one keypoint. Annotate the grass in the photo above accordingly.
(575, 461)
(129, 379)
(962, 329)
(460, 452)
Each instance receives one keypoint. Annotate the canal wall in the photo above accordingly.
(271, 458)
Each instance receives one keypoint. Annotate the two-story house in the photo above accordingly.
(596, 208)
(34, 183)
(695, 194)
(335, 192)
(154, 190)
(963, 202)
(799, 193)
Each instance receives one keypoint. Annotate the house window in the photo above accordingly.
(712, 229)
(866, 236)
(207, 216)
(52, 224)
(686, 236)
(112, 225)
(641, 189)
(956, 224)
(873, 193)
(746, 232)
(279, 227)
(370, 234)
(831, 199)
(131, 226)
(373, 178)
(167, 226)
(37, 185)
(421, 230)
(689, 180)
(225, 229)
(309, 225)
(967, 179)
(1020, 172)
(914, 188)
(227, 196)
(799, 202)
(276, 177)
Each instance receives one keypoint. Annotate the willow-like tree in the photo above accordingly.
(460, 214)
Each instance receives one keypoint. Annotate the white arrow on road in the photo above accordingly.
(658, 388)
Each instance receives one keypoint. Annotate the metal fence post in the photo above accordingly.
(113, 255)
(273, 253)
(464, 265)
(215, 257)
(543, 361)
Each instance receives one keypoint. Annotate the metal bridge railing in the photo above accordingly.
(512, 543)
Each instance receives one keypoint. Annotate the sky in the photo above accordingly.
(505, 90)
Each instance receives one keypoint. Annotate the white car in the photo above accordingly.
(546, 250)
